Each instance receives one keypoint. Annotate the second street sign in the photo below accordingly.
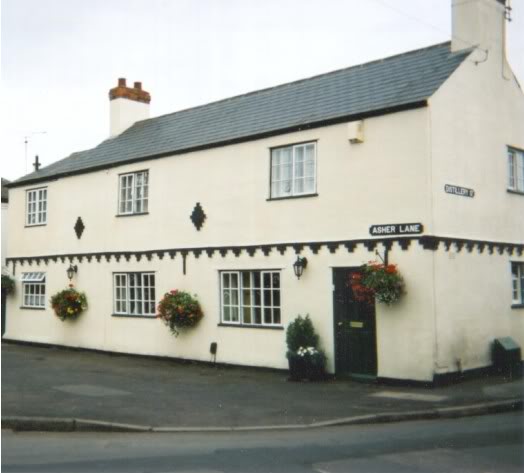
(396, 229)
(457, 190)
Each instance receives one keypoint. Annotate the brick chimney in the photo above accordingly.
(479, 23)
(127, 106)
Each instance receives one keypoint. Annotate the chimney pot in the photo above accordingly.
(138, 85)
(122, 82)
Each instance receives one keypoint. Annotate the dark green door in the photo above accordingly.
(355, 330)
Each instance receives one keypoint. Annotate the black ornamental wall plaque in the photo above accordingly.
(79, 227)
(198, 216)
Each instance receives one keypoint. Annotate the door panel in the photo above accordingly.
(355, 329)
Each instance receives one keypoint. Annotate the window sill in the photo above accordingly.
(132, 215)
(35, 225)
(130, 316)
(517, 306)
(292, 197)
(31, 308)
(514, 191)
(269, 327)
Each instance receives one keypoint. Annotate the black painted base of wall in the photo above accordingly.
(446, 379)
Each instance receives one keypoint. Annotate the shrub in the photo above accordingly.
(301, 333)
(69, 303)
(179, 309)
(8, 284)
(306, 360)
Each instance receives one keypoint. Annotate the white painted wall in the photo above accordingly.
(475, 115)
(382, 180)
(312, 295)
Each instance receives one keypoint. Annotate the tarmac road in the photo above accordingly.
(492, 443)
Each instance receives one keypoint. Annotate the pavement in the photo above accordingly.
(57, 389)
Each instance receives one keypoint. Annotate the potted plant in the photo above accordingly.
(179, 310)
(69, 303)
(8, 284)
(382, 282)
(306, 360)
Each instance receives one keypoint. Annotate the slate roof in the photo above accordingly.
(378, 87)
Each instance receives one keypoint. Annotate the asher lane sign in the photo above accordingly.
(396, 229)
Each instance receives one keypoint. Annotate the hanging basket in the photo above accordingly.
(376, 281)
(179, 310)
(69, 303)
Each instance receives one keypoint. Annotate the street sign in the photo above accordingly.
(460, 191)
(396, 229)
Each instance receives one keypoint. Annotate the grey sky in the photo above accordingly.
(59, 58)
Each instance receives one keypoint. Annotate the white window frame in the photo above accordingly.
(36, 207)
(517, 283)
(133, 193)
(515, 170)
(33, 290)
(273, 193)
(241, 305)
(134, 294)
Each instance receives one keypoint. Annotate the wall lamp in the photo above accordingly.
(299, 265)
(71, 271)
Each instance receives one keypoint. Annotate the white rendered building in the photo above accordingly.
(419, 155)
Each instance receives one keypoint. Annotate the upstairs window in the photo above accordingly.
(515, 170)
(293, 170)
(33, 290)
(134, 294)
(134, 193)
(517, 280)
(36, 207)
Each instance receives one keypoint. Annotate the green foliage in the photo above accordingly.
(377, 281)
(8, 284)
(301, 333)
(306, 360)
(312, 355)
(69, 303)
(179, 309)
